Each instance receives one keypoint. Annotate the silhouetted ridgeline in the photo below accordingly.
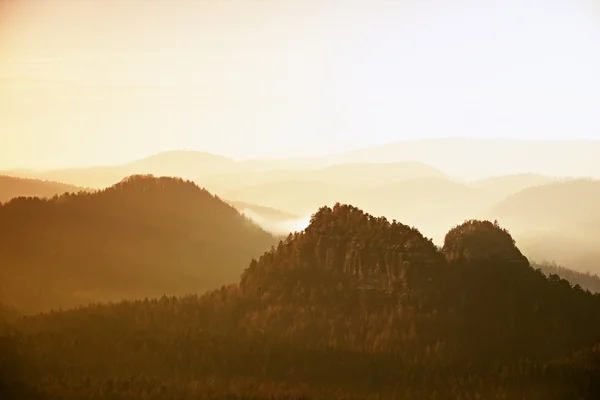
(551, 206)
(144, 236)
(11, 187)
(354, 307)
(559, 221)
(585, 280)
(552, 217)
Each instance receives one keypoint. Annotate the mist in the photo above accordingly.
(277, 227)
(291, 199)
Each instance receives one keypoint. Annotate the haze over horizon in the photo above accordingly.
(299, 199)
(82, 85)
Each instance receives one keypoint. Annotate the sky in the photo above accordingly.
(96, 82)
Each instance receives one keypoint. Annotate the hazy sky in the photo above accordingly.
(105, 81)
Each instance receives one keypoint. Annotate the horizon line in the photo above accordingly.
(295, 158)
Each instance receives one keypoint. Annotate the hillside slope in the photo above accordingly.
(549, 206)
(144, 236)
(11, 187)
(432, 203)
(457, 156)
(506, 185)
(354, 307)
(573, 245)
(221, 174)
(185, 164)
(557, 222)
(587, 281)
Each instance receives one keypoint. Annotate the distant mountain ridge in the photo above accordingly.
(415, 193)
(476, 158)
(222, 173)
(586, 281)
(465, 158)
(184, 164)
(11, 187)
(407, 181)
(144, 236)
(557, 222)
(549, 206)
(505, 185)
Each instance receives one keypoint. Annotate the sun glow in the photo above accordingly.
(300, 225)
(95, 82)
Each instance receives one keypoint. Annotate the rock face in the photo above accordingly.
(481, 241)
(311, 314)
(348, 244)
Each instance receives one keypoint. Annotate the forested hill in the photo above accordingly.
(11, 187)
(586, 280)
(354, 307)
(144, 236)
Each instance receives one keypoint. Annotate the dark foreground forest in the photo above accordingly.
(354, 307)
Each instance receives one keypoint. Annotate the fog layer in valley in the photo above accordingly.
(277, 227)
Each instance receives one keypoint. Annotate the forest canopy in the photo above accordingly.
(353, 307)
(144, 236)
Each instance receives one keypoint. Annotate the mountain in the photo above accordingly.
(586, 281)
(185, 164)
(372, 173)
(474, 158)
(92, 177)
(558, 222)
(506, 185)
(351, 175)
(180, 162)
(432, 203)
(220, 173)
(465, 158)
(574, 245)
(353, 307)
(15, 187)
(143, 236)
(549, 206)
(407, 191)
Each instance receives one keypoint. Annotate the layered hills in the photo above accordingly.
(185, 164)
(353, 307)
(478, 158)
(550, 206)
(221, 173)
(527, 204)
(454, 156)
(434, 203)
(144, 236)
(557, 222)
(506, 185)
(553, 218)
(11, 187)
(585, 280)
